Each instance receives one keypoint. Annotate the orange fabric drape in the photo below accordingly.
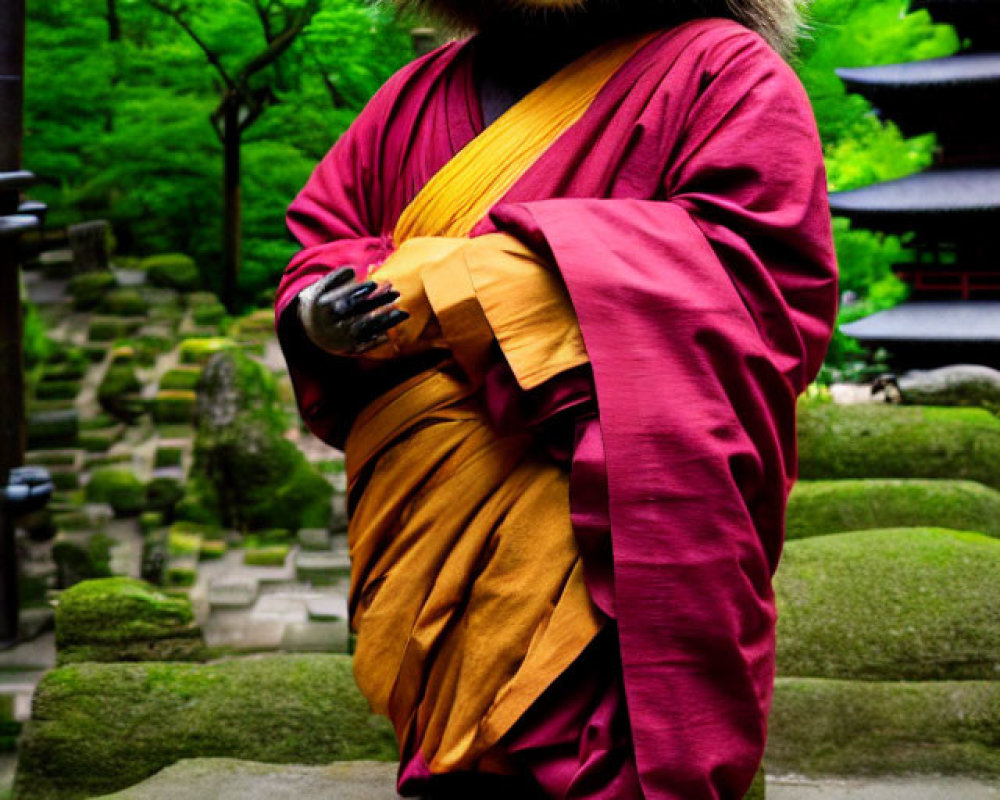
(467, 592)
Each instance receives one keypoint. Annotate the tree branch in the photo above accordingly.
(213, 58)
(280, 43)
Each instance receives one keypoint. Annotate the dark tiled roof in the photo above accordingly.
(933, 73)
(972, 193)
(973, 321)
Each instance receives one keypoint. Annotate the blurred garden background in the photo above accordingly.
(189, 575)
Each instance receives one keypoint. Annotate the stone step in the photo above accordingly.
(229, 779)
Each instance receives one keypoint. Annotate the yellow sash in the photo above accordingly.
(475, 179)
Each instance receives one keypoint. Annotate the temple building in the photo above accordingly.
(953, 209)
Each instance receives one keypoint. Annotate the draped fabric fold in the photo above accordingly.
(673, 242)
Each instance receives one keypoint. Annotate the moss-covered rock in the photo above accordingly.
(57, 389)
(183, 378)
(211, 314)
(199, 351)
(106, 329)
(98, 728)
(254, 327)
(124, 302)
(88, 288)
(119, 488)
(168, 457)
(833, 727)
(244, 468)
(53, 428)
(99, 441)
(119, 392)
(123, 619)
(955, 385)
(172, 271)
(819, 507)
(10, 728)
(905, 603)
(274, 555)
(173, 405)
(879, 441)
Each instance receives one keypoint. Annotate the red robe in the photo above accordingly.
(687, 214)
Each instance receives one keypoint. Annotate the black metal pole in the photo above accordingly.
(11, 364)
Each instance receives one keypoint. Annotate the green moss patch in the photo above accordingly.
(905, 603)
(106, 329)
(820, 507)
(183, 378)
(119, 488)
(88, 289)
(173, 406)
(119, 391)
(172, 271)
(199, 351)
(168, 457)
(124, 302)
(830, 727)
(898, 442)
(53, 428)
(123, 619)
(98, 728)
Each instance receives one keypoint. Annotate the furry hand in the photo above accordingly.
(346, 317)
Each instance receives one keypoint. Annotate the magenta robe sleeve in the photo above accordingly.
(704, 315)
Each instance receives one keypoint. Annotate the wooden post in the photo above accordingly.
(11, 364)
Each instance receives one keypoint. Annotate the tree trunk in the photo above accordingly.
(232, 215)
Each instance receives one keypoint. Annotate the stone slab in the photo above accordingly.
(232, 592)
(315, 637)
(914, 788)
(327, 608)
(229, 779)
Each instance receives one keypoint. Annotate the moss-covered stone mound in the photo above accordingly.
(820, 507)
(99, 728)
(246, 474)
(898, 604)
(123, 619)
(830, 727)
(898, 442)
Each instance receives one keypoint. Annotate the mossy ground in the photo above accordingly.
(898, 442)
(853, 728)
(906, 603)
(820, 507)
(118, 610)
(98, 728)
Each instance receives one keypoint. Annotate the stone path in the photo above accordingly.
(229, 779)
(929, 788)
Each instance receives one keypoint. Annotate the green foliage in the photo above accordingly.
(119, 488)
(859, 148)
(122, 129)
(74, 746)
